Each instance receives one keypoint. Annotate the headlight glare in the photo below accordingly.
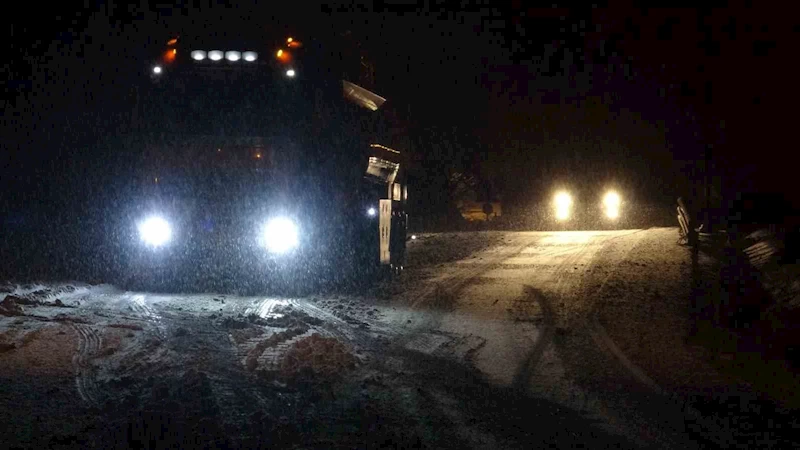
(281, 235)
(155, 231)
(563, 204)
(611, 204)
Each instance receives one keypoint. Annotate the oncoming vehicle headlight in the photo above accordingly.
(215, 55)
(281, 235)
(611, 204)
(563, 204)
(155, 231)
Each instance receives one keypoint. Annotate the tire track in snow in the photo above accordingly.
(627, 424)
(600, 335)
(571, 287)
(526, 370)
(562, 274)
(330, 325)
(592, 324)
(89, 343)
(528, 358)
(468, 276)
(562, 292)
(604, 341)
(146, 351)
(140, 307)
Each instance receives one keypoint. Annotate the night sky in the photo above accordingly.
(524, 97)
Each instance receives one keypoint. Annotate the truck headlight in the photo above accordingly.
(611, 204)
(155, 231)
(281, 235)
(563, 204)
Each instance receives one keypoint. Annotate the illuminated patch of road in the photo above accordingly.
(142, 306)
(515, 326)
(266, 309)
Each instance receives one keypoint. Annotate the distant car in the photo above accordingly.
(569, 211)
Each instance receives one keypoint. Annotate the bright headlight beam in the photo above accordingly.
(281, 235)
(290, 73)
(155, 231)
(563, 203)
(612, 199)
(215, 55)
(198, 55)
(371, 211)
(157, 70)
(233, 56)
(611, 204)
(250, 56)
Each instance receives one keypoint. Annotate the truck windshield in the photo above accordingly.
(228, 102)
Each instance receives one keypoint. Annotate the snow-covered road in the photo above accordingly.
(523, 313)
(489, 340)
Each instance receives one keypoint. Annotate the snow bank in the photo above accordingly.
(10, 307)
(764, 249)
(39, 293)
(318, 355)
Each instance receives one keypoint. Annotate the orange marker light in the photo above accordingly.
(283, 56)
(289, 40)
(169, 55)
(172, 41)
